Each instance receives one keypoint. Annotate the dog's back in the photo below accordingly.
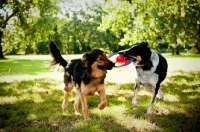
(162, 67)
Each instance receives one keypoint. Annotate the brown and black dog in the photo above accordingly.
(86, 74)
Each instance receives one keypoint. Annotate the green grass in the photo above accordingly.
(13, 67)
(34, 104)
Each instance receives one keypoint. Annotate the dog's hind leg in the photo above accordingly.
(136, 87)
(149, 110)
(65, 100)
(67, 88)
(76, 102)
(102, 95)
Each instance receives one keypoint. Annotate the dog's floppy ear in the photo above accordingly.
(85, 59)
(144, 44)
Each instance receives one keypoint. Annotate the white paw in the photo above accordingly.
(134, 103)
(78, 114)
(160, 95)
(149, 110)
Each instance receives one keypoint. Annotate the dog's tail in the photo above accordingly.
(55, 52)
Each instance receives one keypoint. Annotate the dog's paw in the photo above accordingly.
(78, 114)
(64, 105)
(135, 104)
(159, 97)
(101, 106)
(87, 119)
(149, 110)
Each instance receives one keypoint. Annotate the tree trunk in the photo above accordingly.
(175, 50)
(197, 46)
(1, 49)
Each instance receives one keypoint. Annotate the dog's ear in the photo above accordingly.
(85, 59)
(144, 44)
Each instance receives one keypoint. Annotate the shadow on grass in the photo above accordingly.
(35, 105)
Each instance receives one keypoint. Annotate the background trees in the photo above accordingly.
(25, 23)
(158, 22)
(26, 26)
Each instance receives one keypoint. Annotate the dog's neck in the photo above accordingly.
(96, 73)
(94, 78)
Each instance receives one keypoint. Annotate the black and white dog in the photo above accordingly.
(151, 69)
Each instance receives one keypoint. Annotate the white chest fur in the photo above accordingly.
(148, 77)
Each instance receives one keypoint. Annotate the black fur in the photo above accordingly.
(150, 65)
(87, 74)
(79, 69)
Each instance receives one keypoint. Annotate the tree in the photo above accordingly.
(79, 31)
(19, 13)
(118, 20)
(173, 22)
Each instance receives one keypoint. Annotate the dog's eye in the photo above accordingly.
(100, 59)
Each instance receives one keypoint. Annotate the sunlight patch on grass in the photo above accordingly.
(122, 99)
(115, 109)
(31, 116)
(36, 98)
(144, 92)
(171, 98)
(191, 90)
(83, 124)
(193, 96)
(169, 108)
(143, 125)
(8, 100)
(187, 90)
(109, 111)
(162, 110)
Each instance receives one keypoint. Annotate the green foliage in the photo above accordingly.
(110, 26)
(174, 22)
(79, 32)
(27, 24)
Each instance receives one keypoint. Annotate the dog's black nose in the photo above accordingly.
(113, 64)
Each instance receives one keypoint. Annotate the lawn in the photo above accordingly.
(31, 97)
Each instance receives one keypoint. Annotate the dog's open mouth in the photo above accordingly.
(129, 57)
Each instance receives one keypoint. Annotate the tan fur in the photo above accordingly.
(94, 86)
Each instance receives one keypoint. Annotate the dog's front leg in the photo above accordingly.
(149, 110)
(103, 103)
(84, 105)
(136, 87)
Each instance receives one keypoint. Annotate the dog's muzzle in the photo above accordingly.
(107, 67)
(125, 54)
(122, 52)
